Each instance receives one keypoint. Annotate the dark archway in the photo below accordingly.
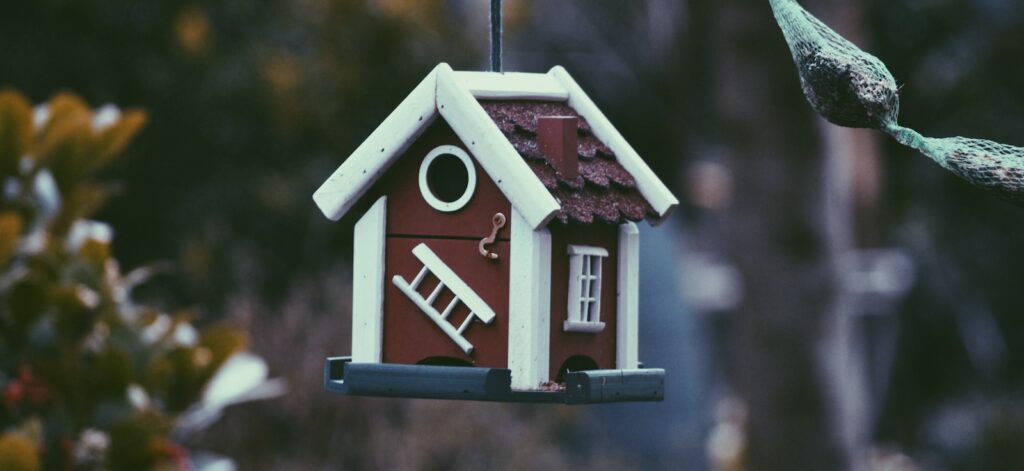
(575, 363)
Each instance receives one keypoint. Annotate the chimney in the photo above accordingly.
(557, 139)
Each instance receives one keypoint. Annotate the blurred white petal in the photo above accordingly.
(91, 448)
(238, 375)
(87, 297)
(206, 461)
(157, 329)
(242, 378)
(11, 188)
(83, 230)
(138, 397)
(105, 117)
(47, 194)
(40, 116)
(186, 335)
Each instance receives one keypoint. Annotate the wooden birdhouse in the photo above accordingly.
(496, 251)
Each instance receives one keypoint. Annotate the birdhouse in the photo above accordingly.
(496, 250)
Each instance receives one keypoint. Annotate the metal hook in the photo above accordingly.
(498, 221)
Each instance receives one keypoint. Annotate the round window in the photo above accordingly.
(447, 178)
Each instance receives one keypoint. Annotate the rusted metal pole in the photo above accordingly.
(495, 35)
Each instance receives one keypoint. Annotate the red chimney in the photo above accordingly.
(557, 139)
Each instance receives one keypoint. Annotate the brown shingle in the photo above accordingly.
(604, 192)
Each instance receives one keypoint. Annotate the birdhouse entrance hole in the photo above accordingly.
(447, 178)
(575, 363)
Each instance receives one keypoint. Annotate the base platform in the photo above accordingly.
(488, 384)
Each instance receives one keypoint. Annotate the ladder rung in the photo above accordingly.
(451, 307)
(432, 314)
(419, 278)
(437, 291)
(465, 323)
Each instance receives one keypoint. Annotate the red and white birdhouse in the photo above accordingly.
(497, 232)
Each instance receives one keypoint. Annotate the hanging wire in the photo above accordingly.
(495, 35)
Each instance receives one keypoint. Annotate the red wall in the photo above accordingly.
(409, 335)
(599, 347)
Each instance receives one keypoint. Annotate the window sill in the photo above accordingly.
(583, 327)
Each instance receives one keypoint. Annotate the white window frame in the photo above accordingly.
(584, 295)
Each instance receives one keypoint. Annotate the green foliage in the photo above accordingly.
(89, 379)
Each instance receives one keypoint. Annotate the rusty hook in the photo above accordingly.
(498, 221)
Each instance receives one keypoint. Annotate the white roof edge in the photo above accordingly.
(512, 85)
(374, 156)
(649, 185)
(492, 150)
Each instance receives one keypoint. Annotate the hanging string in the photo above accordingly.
(495, 35)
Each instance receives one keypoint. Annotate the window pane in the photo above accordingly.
(585, 280)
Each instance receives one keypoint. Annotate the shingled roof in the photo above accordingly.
(603, 192)
(496, 114)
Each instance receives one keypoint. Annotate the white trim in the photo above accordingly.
(586, 250)
(529, 307)
(628, 313)
(583, 327)
(512, 85)
(493, 151)
(368, 284)
(653, 190)
(375, 155)
(428, 194)
(583, 307)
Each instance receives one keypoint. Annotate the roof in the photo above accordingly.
(604, 191)
(524, 181)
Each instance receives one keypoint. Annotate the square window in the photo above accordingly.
(584, 306)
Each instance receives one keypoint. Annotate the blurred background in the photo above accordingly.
(825, 299)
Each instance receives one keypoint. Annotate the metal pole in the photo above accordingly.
(495, 35)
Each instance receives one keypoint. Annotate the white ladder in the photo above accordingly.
(478, 309)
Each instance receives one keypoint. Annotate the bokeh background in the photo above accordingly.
(824, 299)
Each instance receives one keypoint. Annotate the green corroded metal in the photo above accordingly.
(852, 88)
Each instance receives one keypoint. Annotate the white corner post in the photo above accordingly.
(368, 285)
(628, 331)
(529, 304)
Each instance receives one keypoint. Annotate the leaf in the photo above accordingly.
(242, 378)
(66, 141)
(15, 130)
(112, 140)
(83, 202)
(11, 226)
(136, 443)
(222, 342)
(60, 108)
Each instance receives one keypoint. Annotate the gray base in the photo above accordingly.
(487, 384)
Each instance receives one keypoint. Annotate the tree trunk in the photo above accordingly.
(777, 237)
